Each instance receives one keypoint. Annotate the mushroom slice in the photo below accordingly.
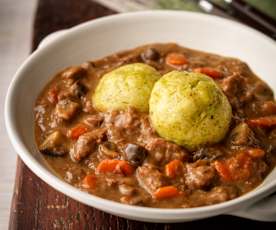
(55, 144)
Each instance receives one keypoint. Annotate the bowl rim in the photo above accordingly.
(95, 201)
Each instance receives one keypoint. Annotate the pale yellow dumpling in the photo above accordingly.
(189, 109)
(126, 86)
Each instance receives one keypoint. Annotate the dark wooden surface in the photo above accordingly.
(35, 205)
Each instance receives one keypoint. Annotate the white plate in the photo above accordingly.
(114, 33)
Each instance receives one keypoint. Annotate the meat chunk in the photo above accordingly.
(123, 126)
(127, 126)
(162, 151)
(86, 144)
(55, 144)
(126, 120)
(149, 178)
(66, 109)
(198, 176)
(233, 86)
(242, 135)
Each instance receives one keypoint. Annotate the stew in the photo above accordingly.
(118, 155)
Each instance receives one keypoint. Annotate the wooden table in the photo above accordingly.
(35, 205)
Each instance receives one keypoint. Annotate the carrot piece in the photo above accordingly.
(255, 152)
(176, 59)
(89, 181)
(173, 168)
(166, 192)
(213, 73)
(107, 166)
(77, 131)
(264, 122)
(223, 170)
(236, 168)
(115, 166)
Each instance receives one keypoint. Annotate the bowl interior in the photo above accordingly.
(109, 35)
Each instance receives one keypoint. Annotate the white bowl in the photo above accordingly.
(107, 35)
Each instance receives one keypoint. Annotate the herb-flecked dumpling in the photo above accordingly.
(127, 86)
(189, 109)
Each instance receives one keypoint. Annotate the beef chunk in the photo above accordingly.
(126, 120)
(162, 151)
(198, 176)
(86, 144)
(149, 178)
(121, 124)
(234, 87)
(128, 126)
(55, 144)
(66, 109)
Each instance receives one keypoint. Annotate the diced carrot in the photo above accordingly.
(53, 94)
(264, 122)
(223, 170)
(77, 131)
(255, 152)
(176, 59)
(115, 166)
(213, 73)
(89, 181)
(107, 166)
(166, 192)
(173, 168)
(236, 168)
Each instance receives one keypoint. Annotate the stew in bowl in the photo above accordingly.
(159, 126)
